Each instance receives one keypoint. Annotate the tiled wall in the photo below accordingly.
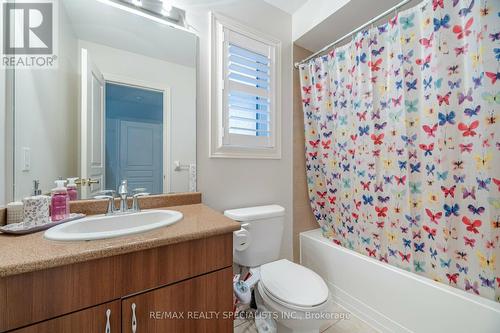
(303, 218)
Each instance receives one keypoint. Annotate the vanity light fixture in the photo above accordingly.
(160, 11)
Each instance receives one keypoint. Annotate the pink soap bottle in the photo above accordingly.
(72, 189)
(60, 201)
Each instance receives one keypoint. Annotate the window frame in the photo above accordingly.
(222, 143)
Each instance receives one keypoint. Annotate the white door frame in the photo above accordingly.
(167, 115)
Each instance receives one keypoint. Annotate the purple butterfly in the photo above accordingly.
(483, 183)
(476, 210)
(485, 282)
(472, 112)
(474, 287)
(467, 193)
(462, 97)
(477, 80)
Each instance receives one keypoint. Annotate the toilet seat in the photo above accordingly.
(293, 286)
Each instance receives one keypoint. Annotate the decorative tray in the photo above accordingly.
(20, 229)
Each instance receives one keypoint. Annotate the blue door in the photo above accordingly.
(134, 137)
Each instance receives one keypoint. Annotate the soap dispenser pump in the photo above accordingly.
(59, 202)
(72, 189)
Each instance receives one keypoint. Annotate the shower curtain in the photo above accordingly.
(403, 141)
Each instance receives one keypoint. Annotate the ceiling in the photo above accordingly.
(100, 23)
(289, 6)
(345, 20)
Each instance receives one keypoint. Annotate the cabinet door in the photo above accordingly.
(103, 318)
(201, 304)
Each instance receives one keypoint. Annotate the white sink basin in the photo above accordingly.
(101, 226)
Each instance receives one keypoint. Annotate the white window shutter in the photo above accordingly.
(248, 94)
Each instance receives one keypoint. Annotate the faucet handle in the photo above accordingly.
(111, 202)
(135, 201)
(111, 193)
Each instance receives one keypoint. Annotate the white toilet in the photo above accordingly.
(296, 294)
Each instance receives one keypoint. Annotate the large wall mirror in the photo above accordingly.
(121, 103)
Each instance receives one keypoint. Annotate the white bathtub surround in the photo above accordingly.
(391, 299)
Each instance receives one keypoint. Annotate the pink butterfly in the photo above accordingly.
(469, 241)
(465, 31)
(437, 3)
(471, 225)
(434, 217)
(468, 130)
(430, 130)
(427, 42)
(467, 148)
(444, 98)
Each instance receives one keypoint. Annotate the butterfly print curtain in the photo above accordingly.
(403, 141)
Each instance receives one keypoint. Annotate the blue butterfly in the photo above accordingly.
(466, 10)
(455, 84)
(437, 83)
(402, 165)
(430, 169)
(433, 253)
(367, 200)
(451, 210)
(399, 84)
(459, 178)
(392, 252)
(350, 229)
(446, 118)
(472, 112)
(427, 84)
(413, 220)
(377, 52)
(361, 58)
(478, 80)
(407, 242)
(411, 85)
(419, 247)
(407, 22)
(442, 175)
(445, 263)
(365, 240)
(409, 140)
(441, 23)
(415, 167)
(497, 53)
(462, 269)
(363, 130)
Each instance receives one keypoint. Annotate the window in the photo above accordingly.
(245, 110)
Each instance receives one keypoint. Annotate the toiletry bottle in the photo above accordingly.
(60, 201)
(72, 189)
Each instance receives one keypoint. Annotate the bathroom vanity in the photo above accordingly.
(172, 279)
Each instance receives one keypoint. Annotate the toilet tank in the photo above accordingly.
(259, 239)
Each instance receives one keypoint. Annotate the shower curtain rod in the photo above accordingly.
(373, 20)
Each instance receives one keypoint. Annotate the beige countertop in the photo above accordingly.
(22, 254)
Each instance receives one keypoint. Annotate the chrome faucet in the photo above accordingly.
(123, 194)
(110, 196)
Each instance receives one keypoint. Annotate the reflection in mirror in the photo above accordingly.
(120, 104)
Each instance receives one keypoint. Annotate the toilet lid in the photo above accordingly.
(293, 284)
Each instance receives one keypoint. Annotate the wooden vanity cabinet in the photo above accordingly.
(192, 305)
(192, 278)
(105, 318)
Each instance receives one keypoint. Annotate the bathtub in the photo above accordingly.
(394, 300)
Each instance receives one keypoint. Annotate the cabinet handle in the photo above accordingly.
(108, 325)
(134, 319)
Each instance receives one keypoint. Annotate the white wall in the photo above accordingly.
(182, 82)
(312, 13)
(46, 110)
(232, 183)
